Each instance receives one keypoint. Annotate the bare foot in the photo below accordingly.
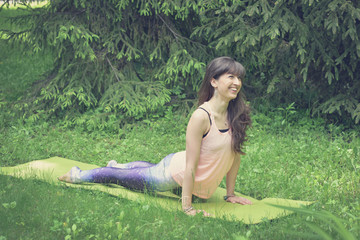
(115, 164)
(66, 177)
(112, 163)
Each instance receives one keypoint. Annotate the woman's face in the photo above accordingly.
(227, 86)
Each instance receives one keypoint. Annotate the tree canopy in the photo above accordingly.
(131, 58)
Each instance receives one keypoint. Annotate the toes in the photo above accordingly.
(65, 177)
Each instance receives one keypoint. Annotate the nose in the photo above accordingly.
(237, 81)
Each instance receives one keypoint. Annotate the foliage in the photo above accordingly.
(122, 57)
(336, 226)
(295, 51)
(131, 58)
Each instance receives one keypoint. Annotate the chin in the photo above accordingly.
(233, 97)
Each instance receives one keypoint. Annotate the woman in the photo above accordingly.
(214, 138)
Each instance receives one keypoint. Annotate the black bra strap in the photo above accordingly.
(207, 113)
(209, 119)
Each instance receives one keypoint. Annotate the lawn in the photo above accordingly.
(301, 158)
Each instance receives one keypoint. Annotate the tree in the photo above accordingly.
(132, 57)
(295, 51)
(127, 57)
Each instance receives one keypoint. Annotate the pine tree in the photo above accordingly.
(119, 56)
(133, 57)
(305, 51)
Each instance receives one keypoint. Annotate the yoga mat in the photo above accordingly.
(51, 168)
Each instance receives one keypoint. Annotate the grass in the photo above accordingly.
(301, 158)
(48, 212)
(313, 165)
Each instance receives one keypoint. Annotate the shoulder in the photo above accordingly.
(199, 121)
(200, 115)
(203, 111)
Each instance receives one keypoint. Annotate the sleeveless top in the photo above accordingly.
(216, 159)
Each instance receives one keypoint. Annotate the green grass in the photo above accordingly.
(53, 212)
(25, 143)
(301, 158)
(309, 165)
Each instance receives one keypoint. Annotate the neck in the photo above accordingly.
(218, 106)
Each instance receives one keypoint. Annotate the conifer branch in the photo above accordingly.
(176, 35)
(172, 31)
(113, 69)
(296, 42)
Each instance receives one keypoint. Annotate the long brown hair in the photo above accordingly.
(238, 111)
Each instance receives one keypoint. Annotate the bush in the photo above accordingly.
(133, 57)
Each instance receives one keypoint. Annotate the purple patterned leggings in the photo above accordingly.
(138, 175)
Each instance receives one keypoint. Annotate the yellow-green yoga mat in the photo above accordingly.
(51, 168)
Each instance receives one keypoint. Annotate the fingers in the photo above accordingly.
(240, 200)
(245, 202)
(194, 212)
(206, 214)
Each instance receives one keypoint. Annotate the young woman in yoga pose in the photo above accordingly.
(214, 138)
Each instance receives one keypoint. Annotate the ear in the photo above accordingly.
(213, 83)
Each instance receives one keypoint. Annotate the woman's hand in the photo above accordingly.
(192, 212)
(239, 200)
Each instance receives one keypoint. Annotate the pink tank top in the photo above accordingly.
(216, 159)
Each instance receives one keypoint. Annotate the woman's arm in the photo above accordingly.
(230, 183)
(198, 125)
